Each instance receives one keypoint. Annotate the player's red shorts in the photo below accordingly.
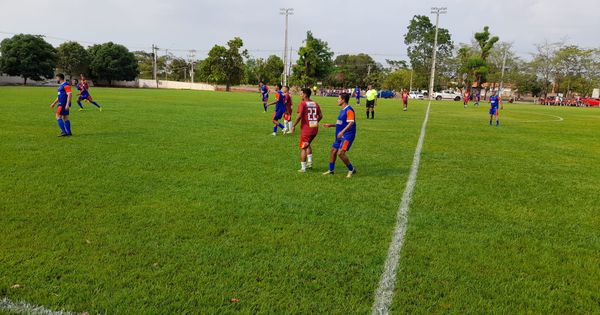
(305, 140)
(287, 116)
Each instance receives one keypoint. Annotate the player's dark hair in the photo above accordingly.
(262, 82)
(279, 85)
(287, 87)
(307, 92)
(60, 76)
(346, 97)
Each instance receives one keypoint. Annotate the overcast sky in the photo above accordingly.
(350, 26)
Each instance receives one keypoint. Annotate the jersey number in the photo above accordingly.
(312, 117)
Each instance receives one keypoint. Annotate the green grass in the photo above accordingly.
(179, 201)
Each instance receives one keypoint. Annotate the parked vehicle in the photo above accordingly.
(447, 95)
(416, 95)
(590, 102)
(386, 94)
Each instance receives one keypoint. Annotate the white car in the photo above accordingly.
(447, 95)
(416, 95)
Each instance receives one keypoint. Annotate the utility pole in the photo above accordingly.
(437, 11)
(411, 80)
(193, 63)
(287, 12)
(166, 65)
(502, 75)
(154, 64)
(368, 70)
(289, 70)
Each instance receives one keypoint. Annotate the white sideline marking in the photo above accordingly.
(387, 283)
(26, 308)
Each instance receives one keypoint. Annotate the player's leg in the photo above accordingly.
(346, 144)
(67, 123)
(309, 157)
(79, 99)
(332, 158)
(497, 119)
(89, 98)
(491, 118)
(60, 122)
(302, 158)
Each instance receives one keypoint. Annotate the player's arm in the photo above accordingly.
(54, 103)
(69, 96)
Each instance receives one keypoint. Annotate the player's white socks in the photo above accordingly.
(310, 159)
(303, 166)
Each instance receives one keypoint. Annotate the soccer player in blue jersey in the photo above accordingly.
(64, 105)
(357, 95)
(345, 132)
(84, 90)
(264, 92)
(279, 109)
(495, 102)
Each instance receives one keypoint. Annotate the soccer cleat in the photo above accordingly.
(63, 135)
(309, 165)
(404, 109)
(302, 170)
(274, 134)
(81, 109)
(350, 173)
(284, 131)
(100, 108)
(328, 173)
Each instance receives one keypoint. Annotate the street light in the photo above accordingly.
(287, 12)
(437, 11)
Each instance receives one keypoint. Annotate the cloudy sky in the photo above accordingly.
(350, 26)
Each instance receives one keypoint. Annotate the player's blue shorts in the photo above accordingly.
(60, 110)
(494, 111)
(345, 143)
(265, 97)
(278, 115)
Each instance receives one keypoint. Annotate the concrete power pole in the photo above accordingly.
(154, 64)
(192, 63)
(437, 12)
(287, 12)
(502, 75)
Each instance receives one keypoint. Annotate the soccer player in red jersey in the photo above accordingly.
(309, 116)
(287, 117)
(84, 88)
(404, 100)
(466, 98)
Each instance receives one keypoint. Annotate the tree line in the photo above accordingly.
(553, 67)
(32, 58)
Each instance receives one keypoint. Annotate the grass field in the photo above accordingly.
(181, 202)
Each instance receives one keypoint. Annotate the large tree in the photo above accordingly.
(544, 65)
(28, 56)
(576, 70)
(224, 65)
(419, 38)
(73, 59)
(179, 69)
(111, 62)
(354, 70)
(478, 64)
(259, 69)
(314, 61)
